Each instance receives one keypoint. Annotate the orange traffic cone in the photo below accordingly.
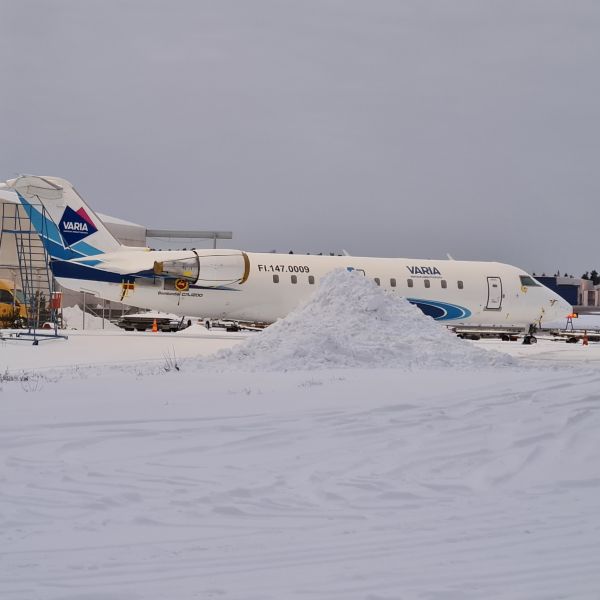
(154, 326)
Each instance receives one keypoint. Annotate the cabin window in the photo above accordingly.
(427, 283)
(311, 279)
(444, 284)
(527, 281)
(460, 285)
(294, 278)
(377, 281)
(275, 278)
(410, 282)
(393, 282)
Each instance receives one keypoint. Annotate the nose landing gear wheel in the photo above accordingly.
(529, 336)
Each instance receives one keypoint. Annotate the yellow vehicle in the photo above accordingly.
(13, 310)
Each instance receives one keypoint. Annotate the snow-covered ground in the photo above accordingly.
(251, 476)
(98, 349)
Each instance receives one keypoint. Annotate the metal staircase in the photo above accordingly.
(34, 271)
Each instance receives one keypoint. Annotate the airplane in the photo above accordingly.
(263, 287)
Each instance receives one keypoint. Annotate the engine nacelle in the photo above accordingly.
(184, 268)
(207, 268)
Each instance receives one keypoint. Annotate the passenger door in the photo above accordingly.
(494, 301)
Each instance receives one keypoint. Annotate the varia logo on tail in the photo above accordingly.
(75, 226)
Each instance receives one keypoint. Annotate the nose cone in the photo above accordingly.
(558, 309)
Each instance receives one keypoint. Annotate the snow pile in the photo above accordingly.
(73, 319)
(351, 322)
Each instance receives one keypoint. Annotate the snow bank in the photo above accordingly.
(351, 322)
(73, 319)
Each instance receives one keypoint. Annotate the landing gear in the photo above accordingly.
(529, 336)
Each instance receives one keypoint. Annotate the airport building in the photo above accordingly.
(568, 288)
(580, 293)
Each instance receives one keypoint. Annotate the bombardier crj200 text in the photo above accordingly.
(249, 286)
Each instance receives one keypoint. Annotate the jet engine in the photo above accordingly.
(208, 268)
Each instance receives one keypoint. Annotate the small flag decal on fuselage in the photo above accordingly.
(126, 287)
(182, 285)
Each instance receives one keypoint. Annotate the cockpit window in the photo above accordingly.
(527, 281)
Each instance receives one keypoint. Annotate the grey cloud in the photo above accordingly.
(386, 128)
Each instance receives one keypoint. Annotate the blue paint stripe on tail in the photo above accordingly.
(51, 237)
(42, 225)
(86, 249)
(89, 263)
(70, 270)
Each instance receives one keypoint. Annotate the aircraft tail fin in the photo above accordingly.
(67, 225)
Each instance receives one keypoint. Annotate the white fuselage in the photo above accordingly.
(455, 292)
(262, 287)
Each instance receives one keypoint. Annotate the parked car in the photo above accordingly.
(144, 322)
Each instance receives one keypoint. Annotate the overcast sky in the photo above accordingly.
(388, 128)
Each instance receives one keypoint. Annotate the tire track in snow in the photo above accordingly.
(451, 496)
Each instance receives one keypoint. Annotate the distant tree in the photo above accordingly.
(595, 277)
(586, 275)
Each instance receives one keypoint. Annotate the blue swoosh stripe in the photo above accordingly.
(441, 311)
